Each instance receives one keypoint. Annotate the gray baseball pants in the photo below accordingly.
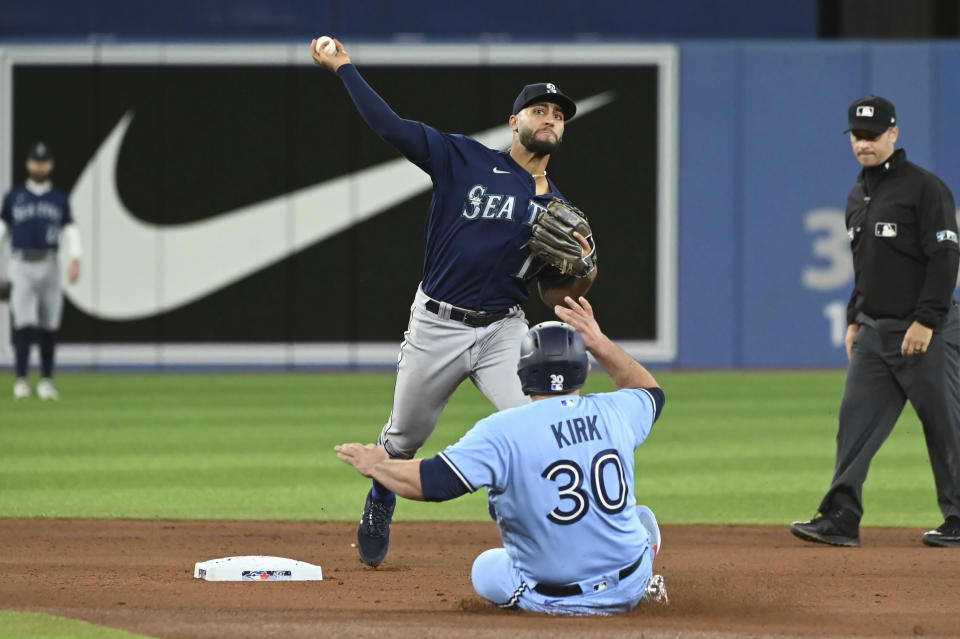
(879, 382)
(36, 298)
(437, 354)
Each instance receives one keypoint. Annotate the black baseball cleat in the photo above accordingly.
(946, 536)
(373, 535)
(834, 528)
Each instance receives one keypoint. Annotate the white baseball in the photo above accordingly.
(325, 44)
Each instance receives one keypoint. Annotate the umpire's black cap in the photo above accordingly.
(545, 92)
(871, 113)
(553, 360)
(39, 151)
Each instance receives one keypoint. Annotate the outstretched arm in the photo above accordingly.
(407, 136)
(625, 371)
(401, 476)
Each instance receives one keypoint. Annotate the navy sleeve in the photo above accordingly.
(439, 482)
(407, 136)
(659, 399)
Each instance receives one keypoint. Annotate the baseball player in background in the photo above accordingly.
(35, 215)
(466, 320)
(559, 477)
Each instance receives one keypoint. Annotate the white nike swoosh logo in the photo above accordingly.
(496, 170)
(139, 269)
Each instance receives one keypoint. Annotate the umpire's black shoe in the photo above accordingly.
(373, 535)
(837, 528)
(947, 535)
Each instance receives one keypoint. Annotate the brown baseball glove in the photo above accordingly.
(553, 242)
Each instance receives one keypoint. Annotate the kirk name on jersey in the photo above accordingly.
(579, 429)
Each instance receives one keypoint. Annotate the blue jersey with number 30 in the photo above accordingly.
(559, 473)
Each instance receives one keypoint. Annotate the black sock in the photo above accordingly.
(22, 338)
(381, 492)
(48, 342)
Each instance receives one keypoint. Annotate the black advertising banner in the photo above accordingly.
(235, 203)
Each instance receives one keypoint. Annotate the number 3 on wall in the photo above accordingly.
(572, 491)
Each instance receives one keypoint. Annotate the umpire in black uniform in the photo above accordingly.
(903, 331)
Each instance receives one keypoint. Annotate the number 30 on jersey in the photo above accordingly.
(572, 492)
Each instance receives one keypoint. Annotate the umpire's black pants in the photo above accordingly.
(879, 381)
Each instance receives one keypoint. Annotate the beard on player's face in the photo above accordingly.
(538, 145)
(39, 171)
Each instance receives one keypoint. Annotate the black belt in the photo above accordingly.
(475, 319)
(32, 256)
(574, 589)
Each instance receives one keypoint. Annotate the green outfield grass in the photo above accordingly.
(32, 625)
(731, 447)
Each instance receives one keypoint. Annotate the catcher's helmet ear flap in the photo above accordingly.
(553, 360)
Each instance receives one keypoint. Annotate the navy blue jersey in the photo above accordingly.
(35, 221)
(481, 213)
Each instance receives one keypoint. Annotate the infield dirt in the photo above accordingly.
(723, 581)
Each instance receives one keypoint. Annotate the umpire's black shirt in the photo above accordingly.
(902, 224)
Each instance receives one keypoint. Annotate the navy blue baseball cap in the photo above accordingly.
(871, 113)
(39, 151)
(544, 92)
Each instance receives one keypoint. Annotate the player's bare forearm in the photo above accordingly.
(401, 476)
(553, 292)
(73, 270)
(625, 371)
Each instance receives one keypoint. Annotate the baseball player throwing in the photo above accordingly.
(559, 476)
(495, 223)
(35, 215)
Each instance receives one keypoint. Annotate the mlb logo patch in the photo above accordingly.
(886, 229)
(864, 111)
(947, 236)
(556, 382)
(600, 586)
